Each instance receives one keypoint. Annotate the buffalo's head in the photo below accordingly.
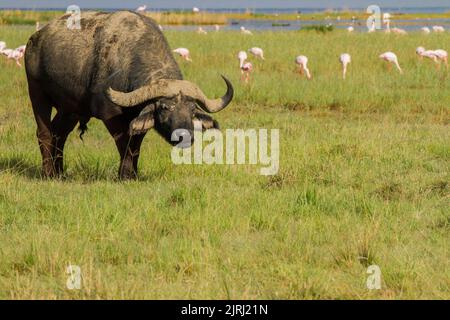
(172, 105)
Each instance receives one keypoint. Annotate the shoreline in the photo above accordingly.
(29, 17)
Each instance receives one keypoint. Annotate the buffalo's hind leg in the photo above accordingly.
(62, 126)
(42, 110)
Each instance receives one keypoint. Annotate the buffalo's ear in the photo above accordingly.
(144, 122)
(207, 121)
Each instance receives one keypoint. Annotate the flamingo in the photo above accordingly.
(399, 31)
(350, 29)
(436, 55)
(372, 27)
(257, 52)
(423, 53)
(442, 55)
(7, 52)
(345, 60)
(426, 30)
(245, 31)
(15, 54)
(21, 49)
(184, 53)
(438, 29)
(302, 62)
(392, 59)
(242, 56)
(200, 30)
(387, 21)
(420, 51)
(246, 67)
(141, 9)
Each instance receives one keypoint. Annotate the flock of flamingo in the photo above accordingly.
(246, 67)
(438, 56)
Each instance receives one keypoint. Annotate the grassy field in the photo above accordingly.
(364, 179)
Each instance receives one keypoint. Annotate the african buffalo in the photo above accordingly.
(118, 68)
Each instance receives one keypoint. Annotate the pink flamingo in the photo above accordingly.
(392, 59)
(302, 62)
(184, 53)
(246, 67)
(436, 55)
(141, 9)
(442, 55)
(257, 52)
(345, 60)
(17, 54)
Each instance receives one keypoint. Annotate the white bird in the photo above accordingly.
(2, 45)
(302, 62)
(200, 30)
(160, 27)
(257, 52)
(217, 27)
(372, 27)
(141, 9)
(245, 31)
(195, 10)
(387, 21)
(391, 58)
(15, 54)
(345, 60)
(420, 51)
(438, 29)
(442, 55)
(245, 66)
(6, 52)
(423, 53)
(399, 31)
(350, 29)
(38, 26)
(436, 55)
(184, 53)
(21, 49)
(242, 56)
(426, 30)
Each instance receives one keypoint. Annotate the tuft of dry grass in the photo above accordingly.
(176, 18)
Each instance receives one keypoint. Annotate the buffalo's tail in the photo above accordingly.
(82, 128)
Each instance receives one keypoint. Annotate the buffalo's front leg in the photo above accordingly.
(135, 146)
(128, 146)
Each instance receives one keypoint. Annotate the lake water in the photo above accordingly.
(392, 9)
(270, 25)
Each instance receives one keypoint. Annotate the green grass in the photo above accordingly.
(364, 179)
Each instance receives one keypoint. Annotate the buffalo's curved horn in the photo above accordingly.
(169, 88)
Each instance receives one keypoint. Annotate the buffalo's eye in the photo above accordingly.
(168, 107)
